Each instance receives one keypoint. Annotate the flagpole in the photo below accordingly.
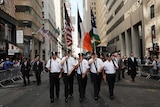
(94, 45)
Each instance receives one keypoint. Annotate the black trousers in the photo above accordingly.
(123, 71)
(82, 85)
(54, 81)
(38, 77)
(111, 81)
(25, 74)
(96, 79)
(133, 73)
(68, 83)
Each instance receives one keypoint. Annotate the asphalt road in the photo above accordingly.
(141, 93)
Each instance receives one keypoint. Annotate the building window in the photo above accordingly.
(152, 11)
(119, 7)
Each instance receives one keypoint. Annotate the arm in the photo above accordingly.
(84, 74)
(60, 75)
(103, 74)
(69, 73)
(63, 60)
(91, 61)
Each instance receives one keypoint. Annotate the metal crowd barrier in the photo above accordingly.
(11, 74)
(147, 71)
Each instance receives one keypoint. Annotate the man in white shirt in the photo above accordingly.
(82, 70)
(68, 64)
(96, 66)
(110, 67)
(55, 74)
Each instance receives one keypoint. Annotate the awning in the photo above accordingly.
(12, 49)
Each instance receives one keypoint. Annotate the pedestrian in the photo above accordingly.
(68, 64)
(37, 69)
(123, 66)
(118, 60)
(82, 70)
(25, 69)
(96, 66)
(55, 73)
(132, 66)
(109, 74)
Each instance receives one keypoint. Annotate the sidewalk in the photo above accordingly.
(140, 82)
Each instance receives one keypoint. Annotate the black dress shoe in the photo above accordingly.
(111, 97)
(96, 98)
(71, 96)
(80, 99)
(52, 100)
(66, 100)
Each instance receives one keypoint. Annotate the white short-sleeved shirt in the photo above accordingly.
(98, 63)
(55, 65)
(109, 67)
(83, 67)
(71, 63)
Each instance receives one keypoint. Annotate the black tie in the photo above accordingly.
(67, 65)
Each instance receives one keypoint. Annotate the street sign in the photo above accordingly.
(19, 36)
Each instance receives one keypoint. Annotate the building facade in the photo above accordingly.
(101, 20)
(29, 20)
(151, 29)
(49, 15)
(130, 26)
(87, 6)
(7, 28)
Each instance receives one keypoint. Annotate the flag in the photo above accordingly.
(46, 35)
(84, 39)
(58, 31)
(87, 45)
(79, 29)
(94, 33)
(41, 31)
(68, 28)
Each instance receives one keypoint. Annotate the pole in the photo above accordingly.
(94, 45)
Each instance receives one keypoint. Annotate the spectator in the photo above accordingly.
(138, 60)
(154, 64)
(16, 64)
(7, 64)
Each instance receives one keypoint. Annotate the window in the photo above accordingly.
(152, 11)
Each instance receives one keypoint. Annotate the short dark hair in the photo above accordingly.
(68, 51)
(81, 54)
(36, 56)
(93, 53)
(54, 53)
(108, 55)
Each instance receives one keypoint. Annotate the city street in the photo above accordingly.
(141, 93)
